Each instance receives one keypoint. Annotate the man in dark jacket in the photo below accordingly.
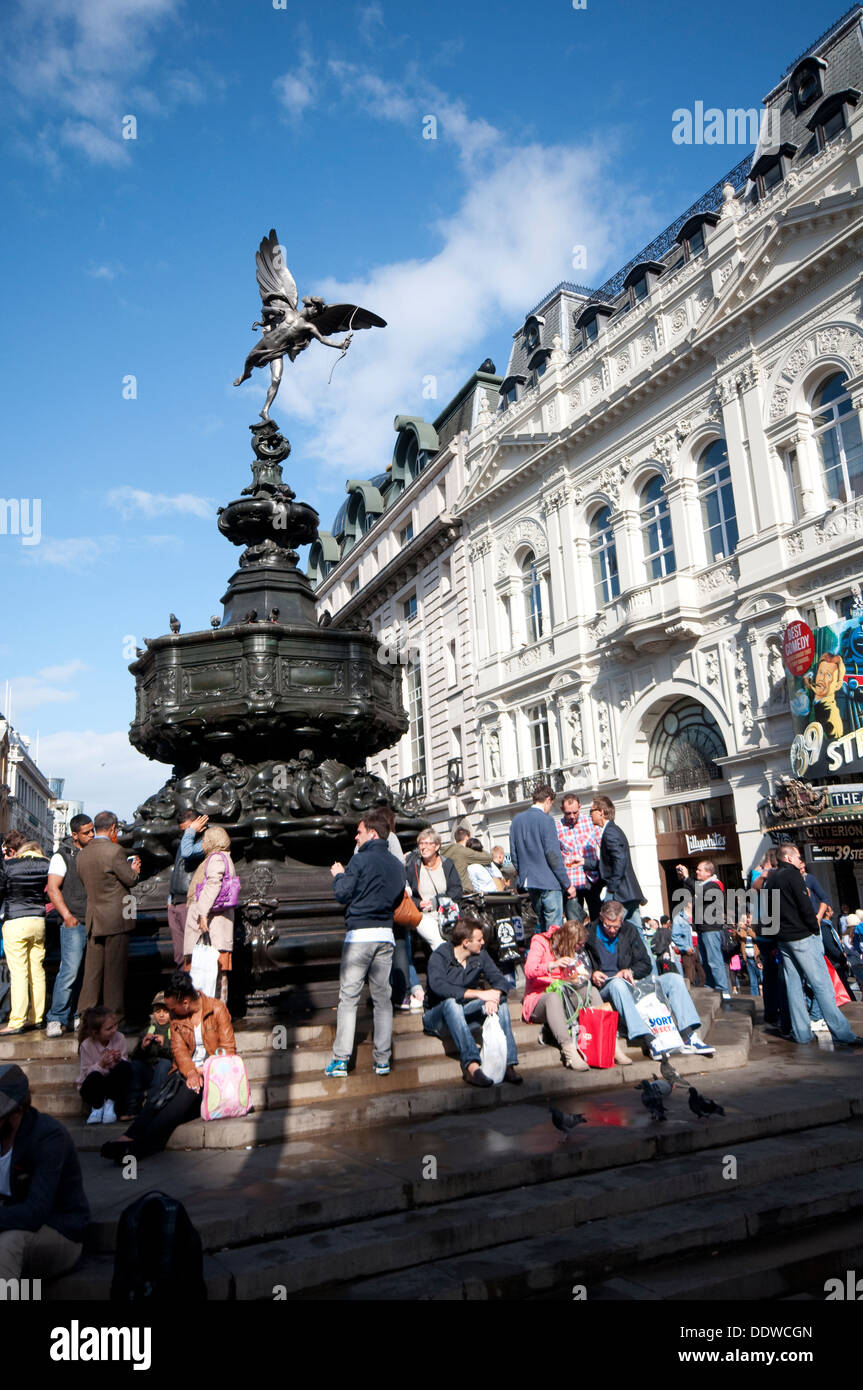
(107, 877)
(802, 953)
(707, 898)
(455, 971)
(620, 958)
(371, 888)
(43, 1210)
(67, 895)
(615, 867)
(189, 854)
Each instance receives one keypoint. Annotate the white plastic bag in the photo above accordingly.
(492, 1056)
(659, 1018)
(205, 966)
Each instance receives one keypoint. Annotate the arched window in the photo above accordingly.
(656, 527)
(717, 501)
(603, 550)
(837, 429)
(532, 592)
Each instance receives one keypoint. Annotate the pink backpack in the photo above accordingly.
(226, 1087)
(229, 889)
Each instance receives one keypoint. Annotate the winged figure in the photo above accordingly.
(287, 331)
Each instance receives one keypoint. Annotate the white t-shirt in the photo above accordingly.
(5, 1170)
(200, 1054)
(57, 865)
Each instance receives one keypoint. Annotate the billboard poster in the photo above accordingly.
(824, 672)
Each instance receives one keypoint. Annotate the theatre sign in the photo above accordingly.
(825, 692)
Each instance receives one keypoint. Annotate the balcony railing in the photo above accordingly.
(454, 776)
(553, 778)
(412, 789)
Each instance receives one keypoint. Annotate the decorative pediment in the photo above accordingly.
(525, 532)
(759, 604)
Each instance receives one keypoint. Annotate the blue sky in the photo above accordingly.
(136, 258)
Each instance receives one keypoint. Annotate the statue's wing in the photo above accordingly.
(274, 278)
(338, 318)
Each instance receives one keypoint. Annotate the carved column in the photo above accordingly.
(553, 506)
(734, 425)
(687, 530)
(627, 539)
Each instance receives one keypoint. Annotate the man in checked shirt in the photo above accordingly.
(579, 845)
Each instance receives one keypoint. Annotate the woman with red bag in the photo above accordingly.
(558, 955)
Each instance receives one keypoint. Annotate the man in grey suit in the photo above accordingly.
(535, 851)
(107, 876)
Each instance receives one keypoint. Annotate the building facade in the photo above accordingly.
(29, 800)
(674, 472)
(396, 558)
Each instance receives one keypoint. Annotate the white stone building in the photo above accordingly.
(675, 468)
(396, 558)
(29, 800)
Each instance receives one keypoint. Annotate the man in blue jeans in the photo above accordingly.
(371, 888)
(68, 896)
(802, 952)
(535, 851)
(453, 998)
(706, 895)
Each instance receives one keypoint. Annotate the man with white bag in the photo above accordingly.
(620, 960)
(453, 998)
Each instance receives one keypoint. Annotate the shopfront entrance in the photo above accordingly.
(694, 830)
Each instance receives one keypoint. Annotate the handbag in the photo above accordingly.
(407, 914)
(840, 992)
(229, 888)
(597, 1036)
(169, 1088)
(205, 965)
(225, 1094)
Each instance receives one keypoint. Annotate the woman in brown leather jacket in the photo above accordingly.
(199, 1027)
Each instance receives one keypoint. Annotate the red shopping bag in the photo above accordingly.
(597, 1036)
(839, 990)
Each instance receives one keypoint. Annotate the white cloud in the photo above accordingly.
(509, 237)
(71, 65)
(105, 272)
(101, 769)
(48, 687)
(297, 89)
(132, 501)
(73, 552)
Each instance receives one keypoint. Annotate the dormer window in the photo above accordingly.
(640, 281)
(692, 235)
(771, 168)
(509, 390)
(590, 331)
(589, 321)
(831, 117)
(806, 83)
(638, 289)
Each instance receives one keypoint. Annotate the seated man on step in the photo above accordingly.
(455, 970)
(619, 959)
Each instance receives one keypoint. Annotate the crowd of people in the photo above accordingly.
(592, 949)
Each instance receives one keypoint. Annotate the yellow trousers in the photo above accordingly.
(24, 944)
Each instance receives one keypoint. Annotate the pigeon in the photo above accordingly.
(669, 1072)
(325, 619)
(274, 615)
(566, 1123)
(139, 651)
(702, 1106)
(174, 621)
(215, 622)
(252, 615)
(652, 1097)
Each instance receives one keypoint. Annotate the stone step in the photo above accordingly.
(322, 1105)
(476, 1219)
(549, 1263)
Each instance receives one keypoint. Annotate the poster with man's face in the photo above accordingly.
(825, 689)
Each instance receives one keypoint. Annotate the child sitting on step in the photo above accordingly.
(105, 1077)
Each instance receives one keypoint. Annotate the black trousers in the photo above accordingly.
(96, 1088)
(152, 1129)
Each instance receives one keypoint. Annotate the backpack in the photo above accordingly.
(225, 1093)
(229, 889)
(159, 1255)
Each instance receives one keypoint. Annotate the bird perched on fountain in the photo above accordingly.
(702, 1106)
(325, 619)
(566, 1123)
(274, 615)
(215, 622)
(174, 621)
(252, 615)
(653, 1094)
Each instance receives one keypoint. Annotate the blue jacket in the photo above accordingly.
(371, 887)
(681, 933)
(45, 1179)
(535, 851)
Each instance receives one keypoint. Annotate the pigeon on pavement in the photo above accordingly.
(566, 1123)
(669, 1072)
(652, 1095)
(702, 1106)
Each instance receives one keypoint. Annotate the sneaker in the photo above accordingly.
(109, 1114)
(725, 996)
(96, 1115)
(416, 1003)
(404, 1007)
(382, 1068)
(54, 1029)
(695, 1044)
(77, 1023)
(336, 1068)
(819, 1026)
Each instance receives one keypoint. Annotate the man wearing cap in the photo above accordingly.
(43, 1209)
